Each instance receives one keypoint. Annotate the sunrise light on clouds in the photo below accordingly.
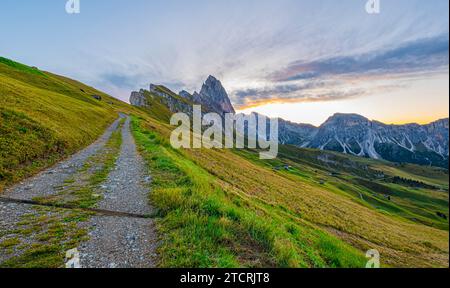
(300, 60)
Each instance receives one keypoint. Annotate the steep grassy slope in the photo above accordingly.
(320, 206)
(45, 117)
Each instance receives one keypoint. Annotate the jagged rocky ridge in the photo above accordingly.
(346, 133)
(173, 102)
(212, 97)
(356, 135)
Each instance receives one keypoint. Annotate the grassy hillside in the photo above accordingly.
(227, 208)
(206, 222)
(286, 212)
(45, 117)
(416, 193)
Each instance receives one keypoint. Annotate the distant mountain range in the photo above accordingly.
(346, 133)
(356, 135)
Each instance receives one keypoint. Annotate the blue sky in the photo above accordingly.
(301, 60)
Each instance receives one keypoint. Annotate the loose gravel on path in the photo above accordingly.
(123, 242)
(10, 215)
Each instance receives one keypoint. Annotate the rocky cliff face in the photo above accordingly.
(290, 132)
(173, 102)
(138, 99)
(213, 96)
(439, 133)
(186, 95)
(356, 135)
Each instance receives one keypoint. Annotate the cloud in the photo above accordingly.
(350, 76)
(259, 49)
(278, 89)
(255, 101)
(119, 79)
(420, 56)
(291, 93)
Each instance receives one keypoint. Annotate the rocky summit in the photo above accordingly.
(214, 97)
(356, 135)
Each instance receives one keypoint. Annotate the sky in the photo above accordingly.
(302, 60)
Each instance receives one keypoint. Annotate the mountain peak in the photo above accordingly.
(212, 83)
(441, 122)
(357, 135)
(211, 79)
(345, 119)
(214, 96)
(348, 116)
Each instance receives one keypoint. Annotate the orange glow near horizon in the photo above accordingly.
(423, 102)
(318, 113)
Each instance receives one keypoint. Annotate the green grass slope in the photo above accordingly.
(45, 117)
(205, 222)
(416, 193)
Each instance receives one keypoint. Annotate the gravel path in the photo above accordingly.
(118, 242)
(114, 242)
(10, 215)
(127, 186)
(46, 182)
